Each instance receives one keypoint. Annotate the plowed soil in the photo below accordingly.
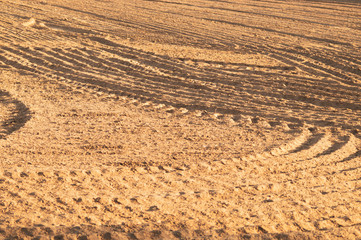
(180, 119)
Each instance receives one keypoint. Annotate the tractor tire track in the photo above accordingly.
(311, 86)
(14, 114)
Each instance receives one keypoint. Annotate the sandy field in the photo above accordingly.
(180, 119)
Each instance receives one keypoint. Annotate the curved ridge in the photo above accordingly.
(245, 63)
(15, 118)
(123, 70)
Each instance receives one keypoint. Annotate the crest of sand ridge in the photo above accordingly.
(204, 74)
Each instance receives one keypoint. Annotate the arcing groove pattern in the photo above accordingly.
(315, 86)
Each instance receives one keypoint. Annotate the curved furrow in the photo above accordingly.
(153, 81)
(296, 90)
(87, 74)
(183, 92)
(317, 69)
(317, 151)
(312, 147)
(13, 114)
(347, 57)
(294, 83)
(128, 199)
(324, 64)
(152, 26)
(84, 79)
(257, 25)
(309, 143)
(38, 60)
(351, 157)
(308, 67)
(283, 149)
(329, 160)
(182, 75)
(314, 69)
(323, 69)
(87, 78)
(329, 62)
(276, 70)
(349, 65)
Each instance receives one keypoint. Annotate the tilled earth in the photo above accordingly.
(180, 119)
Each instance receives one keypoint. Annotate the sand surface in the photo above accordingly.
(180, 119)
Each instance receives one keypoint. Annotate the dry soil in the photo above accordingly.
(180, 119)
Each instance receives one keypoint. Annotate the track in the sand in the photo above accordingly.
(319, 87)
(226, 89)
(14, 114)
(279, 182)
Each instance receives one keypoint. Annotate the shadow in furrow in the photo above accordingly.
(309, 143)
(158, 84)
(351, 157)
(336, 146)
(19, 115)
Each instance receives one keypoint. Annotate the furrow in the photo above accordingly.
(328, 161)
(284, 148)
(18, 114)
